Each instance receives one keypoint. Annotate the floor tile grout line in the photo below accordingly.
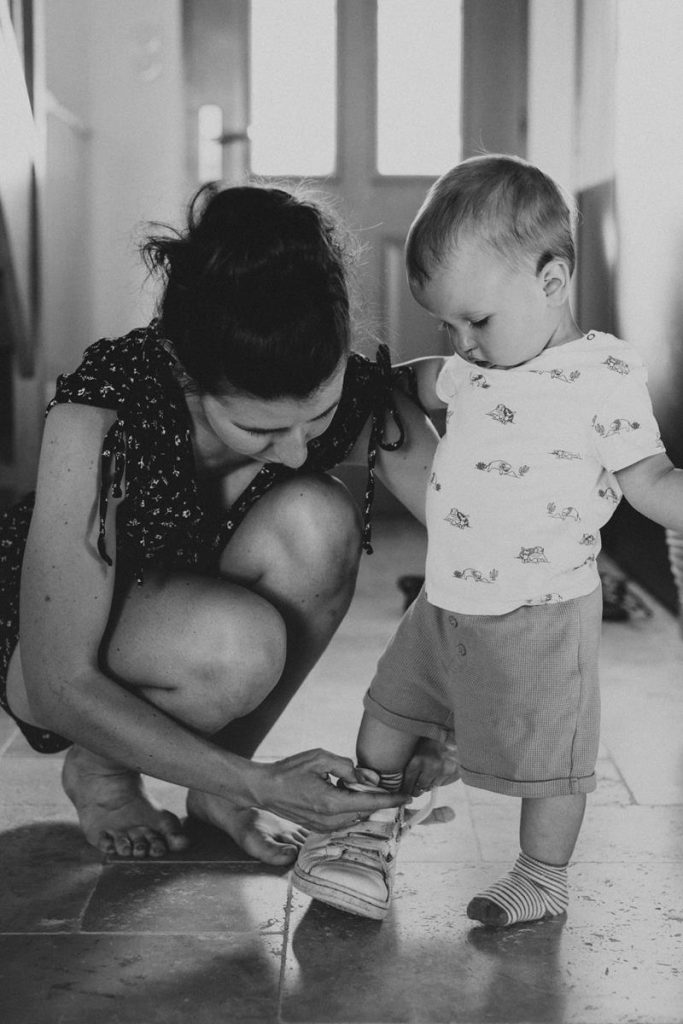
(622, 779)
(285, 946)
(9, 741)
(86, 905)
(473, 828)
(140, 934)
(154, 861)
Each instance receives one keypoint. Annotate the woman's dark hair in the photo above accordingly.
(256, 295)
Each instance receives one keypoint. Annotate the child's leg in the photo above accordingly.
(537, 885)
(354, 868)
(384, 750)
(550, 826)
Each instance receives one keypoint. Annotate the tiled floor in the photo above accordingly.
(210, 937)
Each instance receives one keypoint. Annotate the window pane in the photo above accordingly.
(418, 85)
(293, 68)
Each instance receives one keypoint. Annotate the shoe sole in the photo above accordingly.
(337, 897)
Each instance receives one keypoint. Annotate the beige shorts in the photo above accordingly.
(518, 692)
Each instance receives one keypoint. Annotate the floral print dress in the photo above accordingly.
(164, 521)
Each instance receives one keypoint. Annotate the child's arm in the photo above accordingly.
(655, 487)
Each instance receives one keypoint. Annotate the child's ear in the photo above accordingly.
(556, 281)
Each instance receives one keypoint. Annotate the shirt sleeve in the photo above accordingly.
(448, 381)
(624, 426)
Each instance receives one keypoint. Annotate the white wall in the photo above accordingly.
(648, 157)
(649, 161)
(136, 111)
(551, 142)
(115, 159)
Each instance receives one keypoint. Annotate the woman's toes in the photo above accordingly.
(158, 847)
(105, 843)
(171, 833)
(122, 845)
(280, 854)
(148, 842)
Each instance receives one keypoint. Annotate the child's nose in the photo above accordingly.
(465, 344)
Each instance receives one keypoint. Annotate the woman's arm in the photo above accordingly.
(426, 370)
(66, 596)
(405, 472)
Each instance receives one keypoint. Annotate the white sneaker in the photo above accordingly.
(353, 868)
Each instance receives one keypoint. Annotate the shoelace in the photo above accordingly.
(366, 842)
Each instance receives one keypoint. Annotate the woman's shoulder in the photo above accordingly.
(111, 369)
(368, 394)
(370, 377)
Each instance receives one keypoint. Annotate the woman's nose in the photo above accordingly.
(292, 450)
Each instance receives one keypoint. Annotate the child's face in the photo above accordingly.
(496, 314)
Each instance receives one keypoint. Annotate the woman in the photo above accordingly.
(186, 558)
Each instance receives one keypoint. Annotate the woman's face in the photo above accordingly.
(273, 430)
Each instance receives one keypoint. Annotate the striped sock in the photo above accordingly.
(531, 891)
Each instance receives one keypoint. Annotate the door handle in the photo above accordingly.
(228, 138)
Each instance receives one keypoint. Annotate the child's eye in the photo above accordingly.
(478, 324)
(443, 326)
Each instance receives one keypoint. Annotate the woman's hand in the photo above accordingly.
(433, 764)
(302, 788)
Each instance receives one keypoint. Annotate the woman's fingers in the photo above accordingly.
(302, 788)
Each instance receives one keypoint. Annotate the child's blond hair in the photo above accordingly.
(504, 202)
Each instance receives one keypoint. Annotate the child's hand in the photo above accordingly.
(433, 764)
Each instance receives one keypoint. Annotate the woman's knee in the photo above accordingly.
(239, 659)
(308, 526)
(323, 520)
(205, 651)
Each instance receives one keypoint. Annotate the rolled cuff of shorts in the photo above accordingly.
(413, 726)
(540, 788)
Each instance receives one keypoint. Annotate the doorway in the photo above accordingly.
(386, 70)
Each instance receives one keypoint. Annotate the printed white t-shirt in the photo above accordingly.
(523, 479)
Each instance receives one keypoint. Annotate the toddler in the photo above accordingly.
(546, 428)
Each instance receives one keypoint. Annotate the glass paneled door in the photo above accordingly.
(369, 100)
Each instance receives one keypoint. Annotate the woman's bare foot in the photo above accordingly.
(259, 833)
(115, 813)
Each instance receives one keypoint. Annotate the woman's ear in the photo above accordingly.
(556, 281)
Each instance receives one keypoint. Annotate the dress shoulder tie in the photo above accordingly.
(383, 406)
